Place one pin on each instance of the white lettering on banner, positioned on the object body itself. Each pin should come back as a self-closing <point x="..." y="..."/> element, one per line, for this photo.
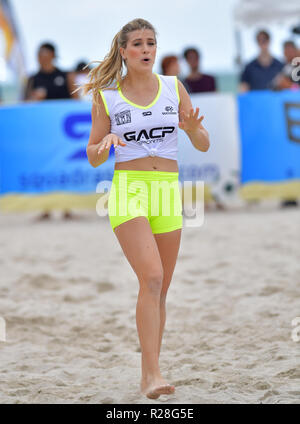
<point x="2" y="330"/>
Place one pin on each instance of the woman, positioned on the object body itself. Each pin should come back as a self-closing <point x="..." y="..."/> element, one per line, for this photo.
<point x="139" y="117"/>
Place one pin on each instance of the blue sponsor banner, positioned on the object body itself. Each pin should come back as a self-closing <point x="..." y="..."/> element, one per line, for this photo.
<point x="43" y="148"/>
<point x="270" y="136"/>
<point x="43" y="145"/>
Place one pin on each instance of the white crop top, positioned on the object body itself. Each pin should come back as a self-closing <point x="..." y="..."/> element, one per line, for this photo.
<point x="147" y="130"/>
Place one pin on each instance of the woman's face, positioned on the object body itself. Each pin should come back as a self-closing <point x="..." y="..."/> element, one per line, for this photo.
<point x="140" y="51"/>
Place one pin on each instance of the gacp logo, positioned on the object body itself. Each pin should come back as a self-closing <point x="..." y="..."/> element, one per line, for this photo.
<point x="77" y="128"/>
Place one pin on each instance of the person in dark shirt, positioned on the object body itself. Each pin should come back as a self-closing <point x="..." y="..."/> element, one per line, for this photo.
<point x="259" y="73"/>
<point x="50" y="83"/>
<point x="196" y="81"/>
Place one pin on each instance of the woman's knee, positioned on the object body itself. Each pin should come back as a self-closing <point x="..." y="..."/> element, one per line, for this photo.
<point x="152" y="282"/>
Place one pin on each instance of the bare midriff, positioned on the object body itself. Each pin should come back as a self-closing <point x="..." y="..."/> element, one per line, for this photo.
<point x="149" y="163"/>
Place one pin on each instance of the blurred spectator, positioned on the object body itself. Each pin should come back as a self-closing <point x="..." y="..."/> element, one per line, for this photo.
<point x="49" y="83"/>
<point x="81" y="77"/>
<point x="170" y="66"/>
<point x="196" y="81"/>
<point x="286" y="78"/>
<point x="260" y="72"/>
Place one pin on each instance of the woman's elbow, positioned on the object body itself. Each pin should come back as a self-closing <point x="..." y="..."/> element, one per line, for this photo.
<point x="89" y="157"/>
<point x="206" y="147"/>
<point x="206" y="143"/>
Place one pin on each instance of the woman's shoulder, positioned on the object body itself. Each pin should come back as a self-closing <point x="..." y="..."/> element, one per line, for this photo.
<point x="169" y="81"/>
<point x="108" y="89"/>
<point x="113" y="86"/>
<point x="167" y="77"/>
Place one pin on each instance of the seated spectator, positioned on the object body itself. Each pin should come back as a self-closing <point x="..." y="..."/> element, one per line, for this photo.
<point x="286" y="78"/>
<point x="260" y="72"/>
<point x="196" y="81"/>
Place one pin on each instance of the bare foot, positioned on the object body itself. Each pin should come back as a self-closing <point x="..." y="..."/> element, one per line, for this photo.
<point x="156" y="388"/>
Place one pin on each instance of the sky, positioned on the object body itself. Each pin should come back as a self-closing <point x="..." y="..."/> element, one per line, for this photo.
<point x="83" y="29"/>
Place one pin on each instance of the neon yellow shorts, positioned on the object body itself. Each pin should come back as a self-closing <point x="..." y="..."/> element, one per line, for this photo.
<point x="153" y="194"/>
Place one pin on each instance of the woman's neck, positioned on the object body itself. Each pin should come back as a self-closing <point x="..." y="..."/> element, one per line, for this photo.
<point x="138" y="79"/>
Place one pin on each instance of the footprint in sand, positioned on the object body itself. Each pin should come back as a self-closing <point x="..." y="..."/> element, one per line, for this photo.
<point x="103" y="287"/>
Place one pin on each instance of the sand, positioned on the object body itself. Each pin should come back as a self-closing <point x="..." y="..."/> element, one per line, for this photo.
<point x="68" y="296"/>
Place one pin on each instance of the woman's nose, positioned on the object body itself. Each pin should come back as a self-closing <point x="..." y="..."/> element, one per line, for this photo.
<point x="145" y="48"/>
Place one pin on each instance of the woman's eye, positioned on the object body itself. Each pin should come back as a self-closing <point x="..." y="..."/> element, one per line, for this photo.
<point x="150" y="44"/>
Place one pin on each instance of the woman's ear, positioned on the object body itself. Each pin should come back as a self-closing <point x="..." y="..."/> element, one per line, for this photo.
<point x="122" y="52"/>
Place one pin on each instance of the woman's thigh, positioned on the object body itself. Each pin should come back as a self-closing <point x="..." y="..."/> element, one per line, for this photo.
<point x="140" y="248"/>
<point x="168" y="245"/>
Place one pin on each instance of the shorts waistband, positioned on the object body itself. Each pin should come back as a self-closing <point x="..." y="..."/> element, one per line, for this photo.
<point x="147" y="175"/>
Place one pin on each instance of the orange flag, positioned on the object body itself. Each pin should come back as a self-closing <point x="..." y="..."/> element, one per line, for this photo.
<point x="13" y="54"/>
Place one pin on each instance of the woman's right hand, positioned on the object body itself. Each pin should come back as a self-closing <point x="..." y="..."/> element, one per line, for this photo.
<point x="108" y="140"/>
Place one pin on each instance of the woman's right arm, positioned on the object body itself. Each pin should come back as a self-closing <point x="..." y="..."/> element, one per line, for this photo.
<point x="100" y="139"/>
<point x="100" y="128"/>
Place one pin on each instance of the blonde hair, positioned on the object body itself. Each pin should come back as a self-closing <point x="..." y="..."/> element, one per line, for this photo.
<point x="110" y="70"/>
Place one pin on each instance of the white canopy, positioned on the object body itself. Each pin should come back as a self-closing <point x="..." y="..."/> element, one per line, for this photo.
<point x="253" y="12"/>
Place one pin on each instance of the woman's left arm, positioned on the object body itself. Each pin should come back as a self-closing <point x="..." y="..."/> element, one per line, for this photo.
<point x="189" y="121"/>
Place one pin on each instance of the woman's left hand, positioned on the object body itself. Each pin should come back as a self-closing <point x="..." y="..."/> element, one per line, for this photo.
<point x="190" y="123"/>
